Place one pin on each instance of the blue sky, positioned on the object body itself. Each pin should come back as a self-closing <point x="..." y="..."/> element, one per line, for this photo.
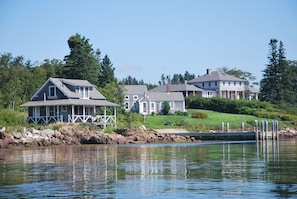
<point x="145" y="39"/>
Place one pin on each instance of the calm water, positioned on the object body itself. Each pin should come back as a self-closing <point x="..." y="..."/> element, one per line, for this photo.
<point x="196" y="170"/>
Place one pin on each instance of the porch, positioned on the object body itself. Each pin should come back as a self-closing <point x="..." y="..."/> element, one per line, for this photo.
<point x="102" y="116"/>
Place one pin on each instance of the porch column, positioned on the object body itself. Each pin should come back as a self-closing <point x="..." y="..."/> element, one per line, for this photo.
<point x="104" y="117"/>
<point x="115" y="116"/>
<point x="58" y="114"/>
<point x="46" y="114"/>
<point x="84" y="113"/>
<point x="35" y="114"/>
<point x="72" y="113"/>
<point x="24" y="114"/>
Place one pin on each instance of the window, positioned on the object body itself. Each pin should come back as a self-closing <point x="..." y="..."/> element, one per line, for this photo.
<point x="216" y="83"/>
<point x="171" y="105"/>
<point x="135" y="97"/>
<point x="52" y="91"/>
<point x="52" y="110"/>
<point x="126" y="105"/>
<point x="203" y="84"/>
<point x="153" y="105"/>
<point x="234" y="83"/>
<point x="64" y="108"/>
<point x="126" y="97"/>
<point x="224" y="83"/>
<point x="229" y="83"/>
<point x="84" y="92"/>
<point x="144" y="107"/>
<point x="239" y="83"/>
<point x="209" y="83"/>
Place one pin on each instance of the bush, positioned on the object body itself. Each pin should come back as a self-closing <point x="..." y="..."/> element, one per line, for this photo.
<point x="180" y="113"/>
<point x="166" y="108"/>
<point x="199" y="115"/>
<point x="11" y="118"/>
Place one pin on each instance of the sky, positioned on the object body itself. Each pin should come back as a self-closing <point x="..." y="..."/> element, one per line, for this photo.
<point x="148" y="38"/>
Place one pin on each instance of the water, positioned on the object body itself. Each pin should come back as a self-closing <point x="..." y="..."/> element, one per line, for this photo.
<point x="195" y="170"/>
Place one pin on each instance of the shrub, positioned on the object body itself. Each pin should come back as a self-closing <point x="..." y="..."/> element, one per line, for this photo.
<point x="180" y="113"/>
<point x="11" y="118"/>
<point x="166" y="108"/>
<point x="199" y="115"/>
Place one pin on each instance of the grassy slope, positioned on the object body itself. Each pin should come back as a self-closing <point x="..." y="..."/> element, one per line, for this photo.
<point x="213" y="121"/>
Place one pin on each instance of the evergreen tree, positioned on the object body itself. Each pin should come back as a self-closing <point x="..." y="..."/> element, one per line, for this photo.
<point x="82" y="62"/>
<point x="277" y="85"/>
<point x="270" y="81"/>
<point x="106" y="72"/>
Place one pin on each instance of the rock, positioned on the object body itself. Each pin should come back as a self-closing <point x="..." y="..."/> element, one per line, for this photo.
<point x="49" y="132"/>
<point x="17" y="135"/>
<point x="2" y="129"/>
<point x="34" y="131"/>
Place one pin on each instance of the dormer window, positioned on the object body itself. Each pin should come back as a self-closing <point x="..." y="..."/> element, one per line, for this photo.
<point x="52" y="91"/>
<point x="84" y="92"/>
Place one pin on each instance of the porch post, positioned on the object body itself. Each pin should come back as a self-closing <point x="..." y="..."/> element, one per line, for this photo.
<point x="24" y="114"/>
<point x="104" y="117"/>
<point x="58" y="114"/>
<point x="115" y="116"/>
<point x="46" y="114"/>
<point x="72" y="113"/>
<point x="35" y="114"/>
<point x="84" y="113"/>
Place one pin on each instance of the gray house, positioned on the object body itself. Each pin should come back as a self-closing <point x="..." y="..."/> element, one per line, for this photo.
<point x="69" y="100"/>
<point x="139" y="99"/>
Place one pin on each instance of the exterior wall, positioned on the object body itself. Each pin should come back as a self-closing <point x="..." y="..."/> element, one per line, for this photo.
<point x="130" y="104"/>
<point x="157" y="107"/>
<point x="45" y="89"/>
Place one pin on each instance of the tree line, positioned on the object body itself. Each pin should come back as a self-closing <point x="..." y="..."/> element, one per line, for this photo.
<point x="20" y="78"/>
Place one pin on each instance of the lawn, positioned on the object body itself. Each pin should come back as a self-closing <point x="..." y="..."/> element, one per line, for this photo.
<point x="213" y="121"/>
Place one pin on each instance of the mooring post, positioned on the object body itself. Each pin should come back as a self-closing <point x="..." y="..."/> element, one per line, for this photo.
<point x="272" y="129"/>
<point x="228" y="127"/>
<point x="262" y="129"/>
<point x="223" y="127"/>
<point x="266" y="127"/>
<point x="276" y="129"/>
<point x="256" y="129"/>
<point x="242" y="126"/>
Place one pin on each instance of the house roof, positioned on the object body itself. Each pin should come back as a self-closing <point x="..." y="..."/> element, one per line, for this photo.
<point x="216" y="76"/>
<point x="253" y="90"/>
<point x="159" y="96"/>
<point x="60" y="84"/>
<point x="135" y="89"/>
<point x="64" y="102"/>
<point x="176" y="88"/>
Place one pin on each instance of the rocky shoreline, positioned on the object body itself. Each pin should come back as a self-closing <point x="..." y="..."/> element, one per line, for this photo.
<point x="77" y="135"/>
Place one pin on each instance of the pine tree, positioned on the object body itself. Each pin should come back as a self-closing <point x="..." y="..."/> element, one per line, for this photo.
<point x="270" y="84"/>
<point x="106" y="72"/>
<point x="82" y="62"/>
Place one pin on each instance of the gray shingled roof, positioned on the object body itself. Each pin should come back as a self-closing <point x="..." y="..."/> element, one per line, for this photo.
<point x="216" y="76"/>
<point x="176" y="88"/>
<point x="134" y="89"/>
<point x="159" y="96"/>
<point x="63" y="102"/>
<point x="60" y="84"/>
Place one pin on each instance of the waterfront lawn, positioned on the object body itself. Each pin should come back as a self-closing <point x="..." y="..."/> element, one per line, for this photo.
<point x="212" y="122"/>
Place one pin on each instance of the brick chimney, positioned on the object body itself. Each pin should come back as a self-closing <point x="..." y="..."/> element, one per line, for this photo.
<point x="168" y="88"/>
<point x="208" y="71"/>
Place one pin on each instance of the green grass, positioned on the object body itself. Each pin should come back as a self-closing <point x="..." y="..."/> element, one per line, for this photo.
<point x="213" y="122"/>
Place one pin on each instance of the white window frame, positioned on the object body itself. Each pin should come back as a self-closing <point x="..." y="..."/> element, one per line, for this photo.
<point x="64" y="108"/>
<point x="126" y="97"/>
<point x="153" y="106"/>
<point x="172" y="105"/>
<point x="50" y="91"/>
<point x="135" y="97"/>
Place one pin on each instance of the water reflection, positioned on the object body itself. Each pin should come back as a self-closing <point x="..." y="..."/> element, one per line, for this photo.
<point x="245" y="169"/>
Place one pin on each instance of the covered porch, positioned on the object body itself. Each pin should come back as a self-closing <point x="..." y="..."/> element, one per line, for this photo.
<point x="98" y="112"/>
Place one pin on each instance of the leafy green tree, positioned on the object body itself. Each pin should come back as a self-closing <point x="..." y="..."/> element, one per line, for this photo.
<point x="106" y="72"/>
<point x="82" y="62"/>
<point x="52" y="67"/>
<point x="166" y="108"/>
<point x="113" y="92"/>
